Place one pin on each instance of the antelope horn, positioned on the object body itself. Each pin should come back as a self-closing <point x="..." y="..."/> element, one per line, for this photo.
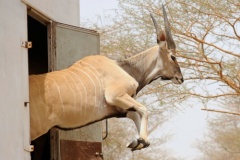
<point x="155" y="24"/>
<point x="158" y="30"/>
<point x="169" y="39"/>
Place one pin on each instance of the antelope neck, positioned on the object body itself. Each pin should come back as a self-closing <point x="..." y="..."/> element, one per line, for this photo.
<point x="142" y="67"/>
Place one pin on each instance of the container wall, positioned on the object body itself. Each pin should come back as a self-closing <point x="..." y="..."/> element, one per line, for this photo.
<point x="58" y="10"/>
<point x="14" y="116"/>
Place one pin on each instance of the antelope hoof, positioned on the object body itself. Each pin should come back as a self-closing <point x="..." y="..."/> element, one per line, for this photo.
<point x="138" y="144"/>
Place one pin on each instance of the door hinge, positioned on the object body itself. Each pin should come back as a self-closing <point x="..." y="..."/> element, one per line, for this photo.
<point x="26" y="44"/>
<point x="29" y="148"/>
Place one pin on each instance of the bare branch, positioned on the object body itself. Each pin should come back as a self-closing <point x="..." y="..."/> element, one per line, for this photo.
<point x="219" y="111"/>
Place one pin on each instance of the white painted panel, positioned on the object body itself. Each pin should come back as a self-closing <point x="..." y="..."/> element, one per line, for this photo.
<point x="14" y="117"/>
<point x="63" y="11"/>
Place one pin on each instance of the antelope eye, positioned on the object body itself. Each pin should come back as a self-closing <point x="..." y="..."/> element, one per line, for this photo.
<point x="173" y="58"/>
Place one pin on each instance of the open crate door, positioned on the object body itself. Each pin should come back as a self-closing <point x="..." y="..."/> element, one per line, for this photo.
<point x="67" y="44"/>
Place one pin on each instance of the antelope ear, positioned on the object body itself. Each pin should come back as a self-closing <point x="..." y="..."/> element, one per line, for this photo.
<point x="159" y="32"/>
<point x="162" y="45"/>
<point x="161" y="36"/>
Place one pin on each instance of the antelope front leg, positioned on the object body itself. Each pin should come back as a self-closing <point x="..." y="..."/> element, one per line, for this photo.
<point x="136" y="144"/>
<point x="127" y="103"/>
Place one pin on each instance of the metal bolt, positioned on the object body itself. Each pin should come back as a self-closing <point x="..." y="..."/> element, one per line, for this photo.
<point x="98" y="154"/>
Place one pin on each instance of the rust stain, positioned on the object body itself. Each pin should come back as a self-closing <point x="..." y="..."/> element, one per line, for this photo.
<point x="78" y="150"/>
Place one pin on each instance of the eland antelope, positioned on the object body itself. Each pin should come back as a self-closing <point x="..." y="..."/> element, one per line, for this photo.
<point x="95" y="88"/>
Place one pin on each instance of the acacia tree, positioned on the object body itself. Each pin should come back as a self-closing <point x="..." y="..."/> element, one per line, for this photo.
<point x="207" y="34"/>
<point x="223" y="137"/>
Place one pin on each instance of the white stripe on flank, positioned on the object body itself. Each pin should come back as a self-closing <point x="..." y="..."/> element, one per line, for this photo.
<point x="98" y="79"/>
<point x="49" y="95"/>
<point x="102" y="103"/>
<point x="91" y="67"/>
<point x="58" y="89"/>
<point x="95" y="97"/>
<point x="39" y="91"/>
<point x="85" y="91"/>
<point x="76" y="86"/>
<point x="57" y="74"/>
<point x="37" y="114"/>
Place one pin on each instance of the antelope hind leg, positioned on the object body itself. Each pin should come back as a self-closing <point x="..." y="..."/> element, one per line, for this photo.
<point x="126" y="102"/>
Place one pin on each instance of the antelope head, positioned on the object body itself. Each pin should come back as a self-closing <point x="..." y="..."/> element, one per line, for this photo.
<point x="170" y="69"/>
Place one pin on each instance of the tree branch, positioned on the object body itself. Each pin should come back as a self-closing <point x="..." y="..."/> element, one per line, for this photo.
<point x="219" y="111"/>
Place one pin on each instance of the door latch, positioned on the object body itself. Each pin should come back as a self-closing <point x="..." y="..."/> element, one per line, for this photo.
<point x="29" y="148"/>
<point x="26" y="44"/>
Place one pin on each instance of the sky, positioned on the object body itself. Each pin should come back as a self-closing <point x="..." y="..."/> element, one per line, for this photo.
<point x="89" y="9"/>
<point x="189" y="125"/>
